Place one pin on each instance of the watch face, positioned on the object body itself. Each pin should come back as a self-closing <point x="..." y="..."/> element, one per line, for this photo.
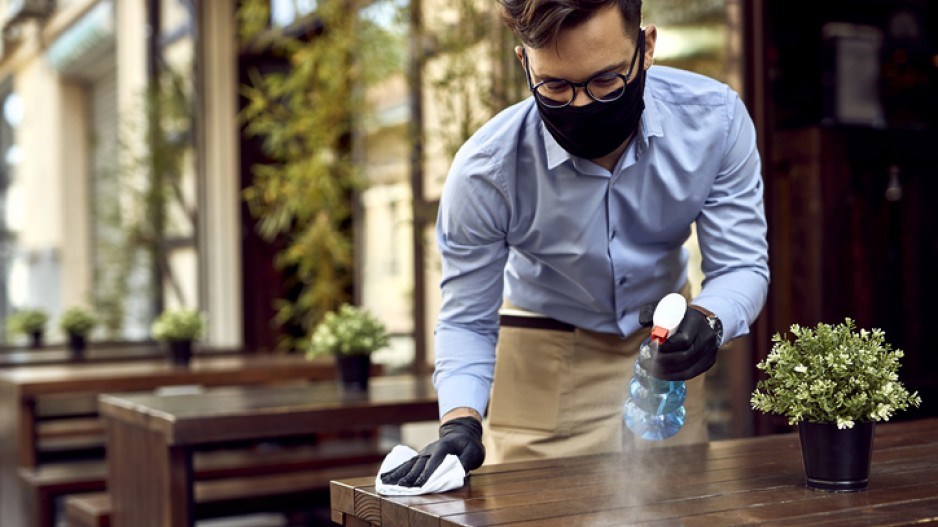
<point x="717" y="327"/>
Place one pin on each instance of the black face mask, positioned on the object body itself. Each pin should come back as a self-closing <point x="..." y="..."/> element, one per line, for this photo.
<point x="596" y="129"/>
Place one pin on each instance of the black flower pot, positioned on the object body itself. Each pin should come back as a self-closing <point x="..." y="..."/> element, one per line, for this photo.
<point x="836" y="459"/>
<point x="180" y="352"/>
<point x="77" y="345"/>
<point x="354" y="371"/>
<point x="35" y="339"/>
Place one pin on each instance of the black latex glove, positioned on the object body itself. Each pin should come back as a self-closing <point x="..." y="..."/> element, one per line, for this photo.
<point x="688" y="352"/>
<point x="461" y="436"/>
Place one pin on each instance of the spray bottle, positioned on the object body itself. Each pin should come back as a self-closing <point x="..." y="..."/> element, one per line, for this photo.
<point x="655" y="407"/>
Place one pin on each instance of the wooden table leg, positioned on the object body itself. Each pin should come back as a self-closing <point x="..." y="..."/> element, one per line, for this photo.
<point x="354" y="521"/>
<point x="27" y="433"/>
<point x="11" y="499"/>
<point x="150" y="483"/>
<point x="181" y="487"/>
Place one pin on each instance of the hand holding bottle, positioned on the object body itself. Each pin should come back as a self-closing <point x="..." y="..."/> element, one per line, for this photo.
<point x="655" y="407"/>
<point x="690" y="350"/>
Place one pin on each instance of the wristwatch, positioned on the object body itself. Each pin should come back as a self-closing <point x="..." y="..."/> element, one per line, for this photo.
<point x="715" y="324"/>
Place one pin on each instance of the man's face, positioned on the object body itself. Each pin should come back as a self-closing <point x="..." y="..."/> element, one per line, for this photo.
<point x="598" y="45"/>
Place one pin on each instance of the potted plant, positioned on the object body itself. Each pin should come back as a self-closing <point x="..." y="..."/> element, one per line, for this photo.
<point x="177" y="329"/>
<point x="351" y="334"/>
<point x="834" y="382"/>
<point x="77" y="323"/>
<point x="29" y="322"/>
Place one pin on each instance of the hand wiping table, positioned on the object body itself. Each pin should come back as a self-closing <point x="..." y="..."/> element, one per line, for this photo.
<point x="448" y="476"/>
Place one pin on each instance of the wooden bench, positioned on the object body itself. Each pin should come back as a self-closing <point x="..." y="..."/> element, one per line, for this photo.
<point x="88" y="510"/>
<point x="69" y="438"/>
<point x="230" y="496"/>
<point x="44" y="484"/>
<point x="228" y="479"/>
<point x="68" y="428"/>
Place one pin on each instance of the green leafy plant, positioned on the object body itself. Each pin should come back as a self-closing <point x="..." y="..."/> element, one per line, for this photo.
<point x="27" y="321"/>
<point x="78" y="321"/>
<point x="465" y="91"/>
<point x="306" y="116"/>
<point x="348" y="331"/>
<point x="832" y="374"/>
<point x="180" y="324"/>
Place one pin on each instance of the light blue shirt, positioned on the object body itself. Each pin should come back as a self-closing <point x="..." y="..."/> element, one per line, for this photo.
<point x="520" y="218"/>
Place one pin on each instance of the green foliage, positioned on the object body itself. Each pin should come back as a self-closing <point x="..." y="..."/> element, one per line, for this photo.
<point x="181" y="324"/>
<point x="78" y="321"/>
<point x="462" y="86"/>
<point x="306" y="117"/>
<point x="349" y="331"/>
<point x="832" y="374"/>
<point x="27" y="321"/>
<point x="465" y="90"/>
<point x="678" y="12"/>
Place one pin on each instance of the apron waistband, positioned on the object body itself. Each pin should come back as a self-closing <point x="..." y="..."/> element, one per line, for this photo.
<point x="516" y="321"/>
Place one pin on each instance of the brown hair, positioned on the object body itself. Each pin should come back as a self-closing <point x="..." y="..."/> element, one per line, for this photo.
<point x="537" y="22"/>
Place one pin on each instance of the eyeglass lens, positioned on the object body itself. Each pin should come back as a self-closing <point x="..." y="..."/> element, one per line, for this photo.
<point x="604" y="88"/>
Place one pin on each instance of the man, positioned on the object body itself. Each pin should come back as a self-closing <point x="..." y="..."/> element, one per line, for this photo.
<point x="568" y="212"/>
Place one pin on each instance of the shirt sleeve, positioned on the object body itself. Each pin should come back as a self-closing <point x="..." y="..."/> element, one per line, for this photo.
<point x="471" y="234"/>
<point x="731" y="230"/>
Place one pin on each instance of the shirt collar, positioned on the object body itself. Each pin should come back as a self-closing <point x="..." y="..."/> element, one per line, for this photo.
<point x="650" y="126"/>
<point x="651" y="120"/>
<point x="556" y="155"/>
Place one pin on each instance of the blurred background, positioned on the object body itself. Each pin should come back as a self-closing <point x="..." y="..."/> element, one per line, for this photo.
<point x="264" y="161"/>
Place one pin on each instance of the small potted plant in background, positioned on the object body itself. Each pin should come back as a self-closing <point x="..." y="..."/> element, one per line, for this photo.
<point x="29" y="322"/>
<point x="834" y="382"/>
<point x="351" y="334"/>
<point x="177" y="329"/>
<point x="77" y="323"/>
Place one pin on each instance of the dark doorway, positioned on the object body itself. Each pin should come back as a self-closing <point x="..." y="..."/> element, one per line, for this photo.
<point x="842" y="93"/>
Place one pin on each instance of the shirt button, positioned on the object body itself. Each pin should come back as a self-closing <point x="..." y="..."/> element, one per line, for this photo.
<point x="612" y="235"/>
<point x="623" y="280"/>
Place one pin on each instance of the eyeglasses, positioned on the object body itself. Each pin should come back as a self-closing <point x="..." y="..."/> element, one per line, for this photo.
<point x="605" y="87"/>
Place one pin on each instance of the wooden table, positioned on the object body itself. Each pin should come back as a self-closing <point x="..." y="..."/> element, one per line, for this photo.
<point x="92" y="344"/>
<point x="22" y="388"/>
<point x="151" y="438"/>
<point x="94" y="355"/>
<point x="755" y="481"/>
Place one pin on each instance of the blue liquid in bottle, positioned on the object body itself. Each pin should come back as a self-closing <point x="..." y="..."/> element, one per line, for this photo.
<point x="655" y="407"/>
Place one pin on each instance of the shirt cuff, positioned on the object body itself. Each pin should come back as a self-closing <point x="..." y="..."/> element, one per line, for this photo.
<point x="736" y="299"/>
<point x="462" y="390"/>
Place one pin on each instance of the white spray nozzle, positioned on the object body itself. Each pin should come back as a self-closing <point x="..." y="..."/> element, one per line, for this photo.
<point x="668" y="316"/>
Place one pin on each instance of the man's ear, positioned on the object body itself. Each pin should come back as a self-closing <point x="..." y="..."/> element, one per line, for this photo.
<point x="519" y="52"/>
<point x="651" y="35"/>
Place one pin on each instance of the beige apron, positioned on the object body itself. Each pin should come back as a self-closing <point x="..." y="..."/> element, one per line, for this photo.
<point x="560" y="393"/>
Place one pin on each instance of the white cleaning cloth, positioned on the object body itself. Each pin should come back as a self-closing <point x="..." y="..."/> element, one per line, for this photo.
<point x="448" y="476"/>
